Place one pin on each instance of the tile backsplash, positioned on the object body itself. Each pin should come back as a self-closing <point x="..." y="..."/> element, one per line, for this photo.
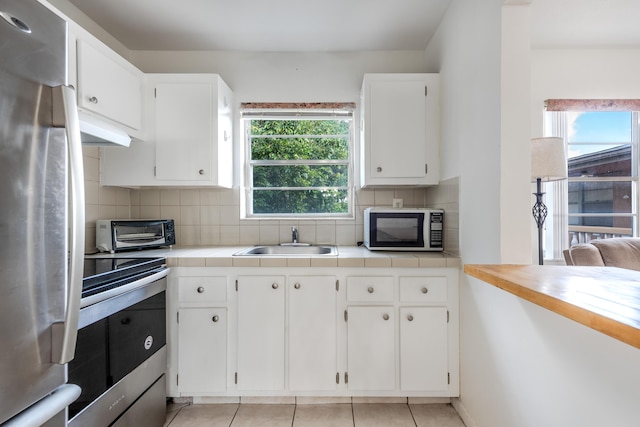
<point x="209" y="216"/>
<point x="212" y="217"/>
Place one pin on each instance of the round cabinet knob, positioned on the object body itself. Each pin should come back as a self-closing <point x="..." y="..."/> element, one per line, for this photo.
<point x="385" y="316"/>
<point x="370" y="289"/>
<point x="424" y="290"/>
<point x="201" y="171"/>
<point x="93" y="100"/>
<point x="200" y="289"/>
<point x="274" y="286"/>
<point x="297" y="286"/>
<point x="378" y="169"/>
<point x="215" y="318"/>
<point x="410" y="318"/>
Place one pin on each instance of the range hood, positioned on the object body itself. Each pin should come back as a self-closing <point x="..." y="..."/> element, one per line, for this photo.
<point x="97" y="132"/>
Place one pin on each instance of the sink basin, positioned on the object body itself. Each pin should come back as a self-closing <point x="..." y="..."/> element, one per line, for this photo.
<point x="289" y="250"/>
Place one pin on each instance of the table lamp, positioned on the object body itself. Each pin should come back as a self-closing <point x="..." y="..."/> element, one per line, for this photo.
<point x="548" y="163"/>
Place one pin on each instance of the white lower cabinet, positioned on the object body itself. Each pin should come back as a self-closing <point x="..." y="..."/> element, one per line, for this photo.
<point x="202" y="350"/>
<point x="202" y="334"/>
<point x="370" y="348"/>
<point x="312" y="333"/>
<point x="424" y="363"/>
<point x="261" y="333"/>
<point x="298" y="331"/>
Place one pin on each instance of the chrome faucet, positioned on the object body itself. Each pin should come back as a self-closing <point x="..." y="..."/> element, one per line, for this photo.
<point x="294" y="235"/>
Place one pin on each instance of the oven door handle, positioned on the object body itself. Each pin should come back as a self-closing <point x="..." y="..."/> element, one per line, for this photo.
<point x="87" y="301"/>
<point x="64" y="334"/>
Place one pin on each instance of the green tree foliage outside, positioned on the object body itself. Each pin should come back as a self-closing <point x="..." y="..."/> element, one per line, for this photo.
<point x="311" y="175"/>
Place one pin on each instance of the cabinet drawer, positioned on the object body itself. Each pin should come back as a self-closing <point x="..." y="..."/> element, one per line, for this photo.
<point x="369" y="289"/>
<point x="423" y="289"/>
<point x="202" y="289"/>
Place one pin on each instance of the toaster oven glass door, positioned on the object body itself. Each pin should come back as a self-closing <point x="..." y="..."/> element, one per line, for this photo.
<point x="132" y="234"/>
<point x="397" y="230"/>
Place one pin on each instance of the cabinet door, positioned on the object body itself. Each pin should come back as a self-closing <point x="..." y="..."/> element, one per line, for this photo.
<point x="371" y="348"/>
<point x="312" y="333"/>
<point x="423" y="349"/>
<point x="183" y="125"/>
<point x="109" y="88"/>
<point x="397" y="120"/>
<point x="202" y="350"/>
<point x="261" y="332"/>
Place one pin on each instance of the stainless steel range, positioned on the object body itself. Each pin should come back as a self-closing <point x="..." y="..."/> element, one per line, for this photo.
<point x="120" y="360"/>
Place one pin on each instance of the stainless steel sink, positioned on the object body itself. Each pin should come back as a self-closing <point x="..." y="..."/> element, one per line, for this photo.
<point x="289" y="250"/>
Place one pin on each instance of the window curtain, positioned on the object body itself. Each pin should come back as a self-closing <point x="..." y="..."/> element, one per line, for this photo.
<point x="558" y="231"/>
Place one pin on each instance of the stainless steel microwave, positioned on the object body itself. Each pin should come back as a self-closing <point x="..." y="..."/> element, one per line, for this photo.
<point x="123" y="235"/>
<point x="417" y="229"/>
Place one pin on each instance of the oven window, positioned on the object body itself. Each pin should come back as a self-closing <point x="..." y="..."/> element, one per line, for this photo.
<point x="135" y="334"/>
<point x="111" y="348"/>
<point x="89" y="369"/>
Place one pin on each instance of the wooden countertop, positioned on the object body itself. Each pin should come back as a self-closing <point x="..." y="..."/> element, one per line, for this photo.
<point x="606" y="299"/>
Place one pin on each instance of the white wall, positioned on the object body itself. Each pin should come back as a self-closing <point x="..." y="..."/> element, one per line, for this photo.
<point x="466" y="51"/>
<point x="582" y="74"/>
<point x="521" y="365"/>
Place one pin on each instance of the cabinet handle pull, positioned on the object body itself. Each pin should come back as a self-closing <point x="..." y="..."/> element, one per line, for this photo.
<point x="274" y="286"/>
<point x="201" y="171"/>
<point x="93" y="100"/>
<point x="385" y="316"/>
<point x="200" y="289"/>
<point x="370" y="290"/>
<point x="410" y="318"/>
<point x="297" y="286"/>
<point x="424" y="290"/>
<point x="378" y="169"/>
<point x="215" y="318"/>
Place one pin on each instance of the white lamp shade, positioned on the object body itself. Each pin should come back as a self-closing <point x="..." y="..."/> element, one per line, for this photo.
<point x="548" y="159"/>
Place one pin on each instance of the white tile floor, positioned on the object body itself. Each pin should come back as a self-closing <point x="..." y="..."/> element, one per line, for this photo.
<point x="333" y="415"/>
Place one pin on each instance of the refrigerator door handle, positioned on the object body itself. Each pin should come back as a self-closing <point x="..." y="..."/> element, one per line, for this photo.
<point x="47" y="408"/>
<point x="64" y="334"/>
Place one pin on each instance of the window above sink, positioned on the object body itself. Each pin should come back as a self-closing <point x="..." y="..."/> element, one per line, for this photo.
<point x="298" y="160"/>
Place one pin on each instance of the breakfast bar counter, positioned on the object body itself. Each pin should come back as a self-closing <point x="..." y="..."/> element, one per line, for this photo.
<point x="606" y="299"/>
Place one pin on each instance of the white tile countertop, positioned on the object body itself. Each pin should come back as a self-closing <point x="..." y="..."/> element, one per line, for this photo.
<point x="348" y="256"/>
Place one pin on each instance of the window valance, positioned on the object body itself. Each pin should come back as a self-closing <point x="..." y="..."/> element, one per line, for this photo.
<point x="592" y="104"/>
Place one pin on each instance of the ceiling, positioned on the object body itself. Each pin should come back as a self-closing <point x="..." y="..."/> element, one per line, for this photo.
<point x="342" y="25"/>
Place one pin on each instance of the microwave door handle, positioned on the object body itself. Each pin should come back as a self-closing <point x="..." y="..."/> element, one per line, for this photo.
<point x="64" y="334"/>
<point x="426" y="230"/>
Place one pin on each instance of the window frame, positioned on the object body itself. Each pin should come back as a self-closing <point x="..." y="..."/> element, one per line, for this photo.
<point x="333" y="111"/>
<point x="557" y="230"/>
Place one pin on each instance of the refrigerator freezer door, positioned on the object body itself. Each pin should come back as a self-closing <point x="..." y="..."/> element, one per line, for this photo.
<point x="33" y="203"/>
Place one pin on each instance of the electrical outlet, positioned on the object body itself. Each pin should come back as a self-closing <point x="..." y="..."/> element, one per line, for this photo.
<point x="398" y="203"/>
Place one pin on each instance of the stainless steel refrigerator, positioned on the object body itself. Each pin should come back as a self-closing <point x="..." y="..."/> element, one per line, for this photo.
<point x="41" y="217"/>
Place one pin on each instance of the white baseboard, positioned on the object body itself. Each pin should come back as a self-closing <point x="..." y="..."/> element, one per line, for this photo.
<point x="462" y="411"/>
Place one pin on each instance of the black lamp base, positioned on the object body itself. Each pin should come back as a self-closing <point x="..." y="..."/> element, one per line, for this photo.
<point x="539" y="212"/>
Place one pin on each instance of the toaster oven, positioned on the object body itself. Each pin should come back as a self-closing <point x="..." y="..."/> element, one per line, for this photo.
<point x="125" y="235"/>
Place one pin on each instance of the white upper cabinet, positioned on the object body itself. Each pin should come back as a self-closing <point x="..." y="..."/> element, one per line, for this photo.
<point x="109" y="86"/>
<point x="189" y="138"/>
<point x="193" y="128"/>
<point x="400" y="130"/>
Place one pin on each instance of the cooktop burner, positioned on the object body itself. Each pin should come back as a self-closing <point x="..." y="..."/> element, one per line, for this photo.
<point x="101" y="274"/>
